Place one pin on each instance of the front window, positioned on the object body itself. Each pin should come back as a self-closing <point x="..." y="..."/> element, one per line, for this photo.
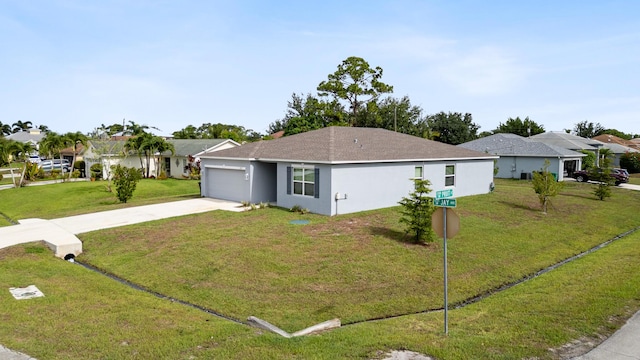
<point x="450" y="175"/>
<point x="304" y="181"/>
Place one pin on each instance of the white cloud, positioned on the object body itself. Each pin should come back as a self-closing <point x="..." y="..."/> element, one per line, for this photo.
<point x="483" y="71"/>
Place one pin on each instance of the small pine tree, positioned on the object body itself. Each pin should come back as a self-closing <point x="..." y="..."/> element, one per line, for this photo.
<point x="545" y="185"/>
<point x="125" y="180"/>
<point x="417" y="210"/>
<point x="602" y="175"/>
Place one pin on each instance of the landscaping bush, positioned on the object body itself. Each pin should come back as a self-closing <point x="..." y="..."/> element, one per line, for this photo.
<point x="631" y="162"/>
<point x="96" y="171"/>
<point x="125" y="180"/>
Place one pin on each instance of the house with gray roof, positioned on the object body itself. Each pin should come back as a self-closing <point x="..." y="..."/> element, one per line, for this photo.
<point x="520" y="157"/>
<point x="112" y="152"/>
<point x="338" y="170"/>
<point x="616" y="149"/>
<point x="32" y="136"/>
<point x="567" y="141"/>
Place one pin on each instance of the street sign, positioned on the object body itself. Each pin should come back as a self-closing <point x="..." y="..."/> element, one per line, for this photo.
<point x="453" y="223"/>
<point x="444" y="194"/>
<point x="450" y="203"/>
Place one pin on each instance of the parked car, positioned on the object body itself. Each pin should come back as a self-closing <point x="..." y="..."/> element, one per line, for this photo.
<point x="619" y="175"/>
<point x="55" y="164"/>
<point x="34" y="159"/>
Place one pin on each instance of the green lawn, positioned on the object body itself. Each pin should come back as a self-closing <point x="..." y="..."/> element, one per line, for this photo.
<point x="634" y="179"/>
<point x="354" y="267"/>
<point x="72" y="198"/>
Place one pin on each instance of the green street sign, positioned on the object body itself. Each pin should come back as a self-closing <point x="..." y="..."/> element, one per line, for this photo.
<point x="444" y="194"/>
<point x="450" y="203"/>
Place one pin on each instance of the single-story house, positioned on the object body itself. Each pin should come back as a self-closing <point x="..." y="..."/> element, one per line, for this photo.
<point x="338" y="170"/>
<point x="618" y="146"/>
<point x="176" y="165"/>
<point x="112" y="152"/>
<point x="32" y="136"/>
<point x="520" y="156"/>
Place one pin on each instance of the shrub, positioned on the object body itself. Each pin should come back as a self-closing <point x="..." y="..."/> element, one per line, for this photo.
<point x="96" y="171"/>
<point x="55" y="173"/>
<point x="79" y="165"/>
<point x="1" y="176"/>
<point x="125" y="180"/>
<point x="631" y="162"/>
<point x="75" y="174"/>
<point x="299" y="209"/>
<point x="162" y="176"/>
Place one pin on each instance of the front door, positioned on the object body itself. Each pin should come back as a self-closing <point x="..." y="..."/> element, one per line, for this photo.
<point x="167" y="166"/>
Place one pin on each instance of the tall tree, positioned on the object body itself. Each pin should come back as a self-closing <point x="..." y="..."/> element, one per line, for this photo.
<point x="7" y="150"/>
<point x="135" y="129"/>
<point x="53" y="143"/>
<point x="356" y="83"/>
<point x="76" y="140"/>
<point x="525" y="128"/>
<point x="453" y="128"/>
<point x="137" y="145"/>
<point x="21" y="126"/>
<point x="588" y="129"/>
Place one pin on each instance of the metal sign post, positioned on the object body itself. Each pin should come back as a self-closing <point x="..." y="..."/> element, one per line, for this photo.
<point x="446" y="299"/>
<point x="443" y="201"/>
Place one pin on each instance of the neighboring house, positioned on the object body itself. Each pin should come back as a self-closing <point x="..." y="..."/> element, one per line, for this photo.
<point x="176" y="165"/>
<point x="112" y="152"/>
<point x="568" y="141"/>
<point x="612" y="139"/>
<point x="32" y="136"/>
<point x="520" y="157"/>
<point x="338" y="170"/>
<point x="617" y="150"/>
<point x="67" y="153"/>
<point x="108" y="153"/>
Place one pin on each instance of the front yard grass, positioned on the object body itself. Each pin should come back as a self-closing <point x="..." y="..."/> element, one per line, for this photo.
<point x="355" y="267"/>
<point x="73" y="198"/>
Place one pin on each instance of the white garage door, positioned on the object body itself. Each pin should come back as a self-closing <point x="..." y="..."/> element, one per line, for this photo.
<point x="227" y="184"/>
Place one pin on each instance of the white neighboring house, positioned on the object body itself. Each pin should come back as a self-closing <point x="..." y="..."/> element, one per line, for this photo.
<point x="339" y="170"/>
<point x="520" y="156"/>
<point x="112" y="152"/>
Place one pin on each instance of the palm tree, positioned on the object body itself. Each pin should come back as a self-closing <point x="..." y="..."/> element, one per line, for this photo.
<point x="161" y="146"/>
<point x="135" y="129"/>
<point x="21" y="126"/>
<point x="22" y="153"/>
<point x="135" y="144"/>
<point x="53" y="143"/>
<point x="5" y="129"/>
<point x="77" y="138"/>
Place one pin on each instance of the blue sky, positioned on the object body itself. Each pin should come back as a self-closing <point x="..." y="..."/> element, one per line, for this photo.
<point x="73" y="65"/>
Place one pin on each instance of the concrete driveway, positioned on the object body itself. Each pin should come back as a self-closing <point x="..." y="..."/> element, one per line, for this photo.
<point x="59" y="234"/>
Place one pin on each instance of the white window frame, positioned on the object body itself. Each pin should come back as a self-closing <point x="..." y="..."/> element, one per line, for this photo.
<point x="450" y="176"/>
<point x="306" y="170"/>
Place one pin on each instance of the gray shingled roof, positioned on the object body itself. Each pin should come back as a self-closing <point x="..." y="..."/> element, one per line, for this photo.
<point x="25" y="136"/>
<point x="567" y="141"/>
<point x="186" y="147"/>
<point x="617" y="148"/>
<point x="348" y="145"/>
<point x="515" y="145"/>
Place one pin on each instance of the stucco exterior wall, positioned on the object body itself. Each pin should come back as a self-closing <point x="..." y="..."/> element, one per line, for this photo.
<point x="375" y="186"/>
<point x="511" y="167"/>
<point x="263" y="182"/>
<point x="321" y="205"/>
